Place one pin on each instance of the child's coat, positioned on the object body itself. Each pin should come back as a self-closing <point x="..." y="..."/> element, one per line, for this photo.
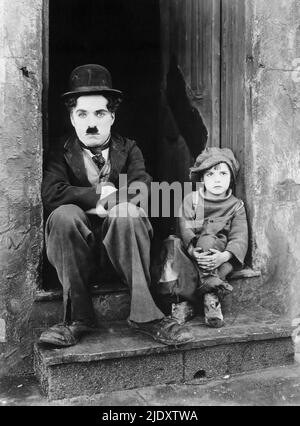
<point x="220" y="224"/>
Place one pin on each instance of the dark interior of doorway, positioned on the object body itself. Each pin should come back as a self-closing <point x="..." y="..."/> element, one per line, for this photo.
<point x="122" y="35"/>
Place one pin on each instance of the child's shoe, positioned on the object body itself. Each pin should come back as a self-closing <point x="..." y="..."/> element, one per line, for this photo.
<point x="212" y="310"/>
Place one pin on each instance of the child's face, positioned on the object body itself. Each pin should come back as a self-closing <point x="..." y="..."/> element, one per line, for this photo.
<point x="217" y="180"/>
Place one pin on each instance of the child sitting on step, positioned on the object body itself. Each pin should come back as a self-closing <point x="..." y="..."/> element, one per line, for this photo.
<point x="212" y="236"/>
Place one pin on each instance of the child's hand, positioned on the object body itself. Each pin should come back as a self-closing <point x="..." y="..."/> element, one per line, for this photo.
<point x="217" y="258"/>
<point x="201" y="257"/>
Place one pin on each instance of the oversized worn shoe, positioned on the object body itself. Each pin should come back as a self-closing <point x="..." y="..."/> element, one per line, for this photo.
<point x="64" y="335"/>
<point x="212" y="311"/>
<point x="166" y="331"/>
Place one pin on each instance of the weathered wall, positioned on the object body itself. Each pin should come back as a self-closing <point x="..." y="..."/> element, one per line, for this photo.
<point x="272" y="151"/>
<point x="20" y="171"/>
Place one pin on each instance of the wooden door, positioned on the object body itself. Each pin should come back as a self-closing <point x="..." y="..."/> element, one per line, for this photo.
<point x="233" y="62"/>
<point x="190" y="51"/>
<point x="205" y="40"/>
<point x="191" y="35"/>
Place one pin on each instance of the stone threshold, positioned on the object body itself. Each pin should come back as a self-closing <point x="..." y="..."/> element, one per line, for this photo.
<point x="117" y="287"/>
<point x="118" y="340"/>
<point x="115" y="357"/>
<point x="97" y="289"/>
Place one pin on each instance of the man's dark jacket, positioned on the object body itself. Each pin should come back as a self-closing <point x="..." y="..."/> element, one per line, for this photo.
<point x="65" y="179"/>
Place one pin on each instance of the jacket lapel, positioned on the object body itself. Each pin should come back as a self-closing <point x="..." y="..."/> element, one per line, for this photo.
<point x="74" y="158"/>
<point x="118" y="157"/>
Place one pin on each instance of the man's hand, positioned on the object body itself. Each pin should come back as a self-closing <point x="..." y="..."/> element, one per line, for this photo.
<point x="212" y="259"/>
<point x="101" y="211"/>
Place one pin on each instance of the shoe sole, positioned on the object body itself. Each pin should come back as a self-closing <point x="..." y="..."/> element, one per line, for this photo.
<point x="164" y="342"/>
<point x="215" y="326"/>
<point x="56" y="344"/>
<point x="45" y="339"/>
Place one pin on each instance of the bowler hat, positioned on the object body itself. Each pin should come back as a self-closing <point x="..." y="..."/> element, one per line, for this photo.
<point x="90" y="79"/>
<point x="210" y="157"/>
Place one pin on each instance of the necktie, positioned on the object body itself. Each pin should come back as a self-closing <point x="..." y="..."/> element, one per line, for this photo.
<point x="98" y="158"/>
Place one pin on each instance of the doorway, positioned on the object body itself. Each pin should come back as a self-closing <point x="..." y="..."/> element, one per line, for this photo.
<point x="122" y="35"/>
<point x="171" y="59"/>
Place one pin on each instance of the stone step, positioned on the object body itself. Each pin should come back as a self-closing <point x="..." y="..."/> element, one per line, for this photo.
<point x="115" y="357"/>
<point x="112" y="301"/>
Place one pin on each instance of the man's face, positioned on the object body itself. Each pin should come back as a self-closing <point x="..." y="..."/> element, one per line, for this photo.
<point x="217" y="180"/>
<point x="92" y="120"/>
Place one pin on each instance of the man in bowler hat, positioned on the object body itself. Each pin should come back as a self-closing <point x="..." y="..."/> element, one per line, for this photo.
<point x="87" y="219"/>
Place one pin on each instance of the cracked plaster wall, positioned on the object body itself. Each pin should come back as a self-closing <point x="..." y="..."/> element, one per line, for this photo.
<point x="273" y="152"/>
<point x="20" y="172"/>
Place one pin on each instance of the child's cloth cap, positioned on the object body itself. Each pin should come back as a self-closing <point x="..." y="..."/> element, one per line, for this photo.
<point x="210" y="157"/>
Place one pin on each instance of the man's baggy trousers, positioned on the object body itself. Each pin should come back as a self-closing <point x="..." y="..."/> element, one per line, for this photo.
<point x="72" y="244"/>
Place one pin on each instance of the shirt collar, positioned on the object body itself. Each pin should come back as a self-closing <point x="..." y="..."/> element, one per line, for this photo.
<point x="91" y="154"/>
<point x="202" y="194"/>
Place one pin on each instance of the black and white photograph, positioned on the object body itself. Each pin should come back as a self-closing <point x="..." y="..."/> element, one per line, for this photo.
<point x="149" y="206"/>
